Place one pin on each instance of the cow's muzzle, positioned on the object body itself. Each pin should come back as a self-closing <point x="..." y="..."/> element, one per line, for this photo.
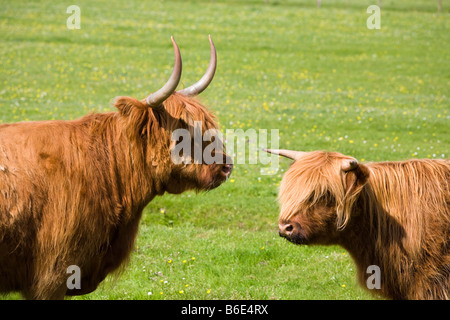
<point x="293" y="232"/>
<point x="285" y="230"/>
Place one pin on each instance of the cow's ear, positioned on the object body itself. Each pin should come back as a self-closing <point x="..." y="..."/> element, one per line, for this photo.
<point x="355" y="176"/>
<point x="134" y="115"/>
<point x="125" y="105"/>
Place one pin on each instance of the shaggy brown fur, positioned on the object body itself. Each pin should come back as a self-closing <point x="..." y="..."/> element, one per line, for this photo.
<point x="395" y="215"/>
<point x="72" y="192"/>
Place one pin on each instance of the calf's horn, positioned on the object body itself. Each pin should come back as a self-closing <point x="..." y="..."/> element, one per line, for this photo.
<point x="203" y="83"/>
<point x="294" y="155"/>
<point x="155" y="99"/>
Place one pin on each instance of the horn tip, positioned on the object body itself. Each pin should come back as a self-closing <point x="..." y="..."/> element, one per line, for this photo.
<point x="271" y="151"/>
<point x="210" y="41"/>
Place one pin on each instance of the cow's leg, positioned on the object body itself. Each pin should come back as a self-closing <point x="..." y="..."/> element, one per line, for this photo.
<point x="56" y="294"/>
<point x="44" y="289"/>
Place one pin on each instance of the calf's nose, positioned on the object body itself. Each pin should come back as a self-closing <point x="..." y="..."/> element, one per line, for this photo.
<point x="285" y="230"/>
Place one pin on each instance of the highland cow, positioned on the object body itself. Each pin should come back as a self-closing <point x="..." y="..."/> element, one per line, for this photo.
<point x="392" y="215"/>
<point x="72" y="192"/>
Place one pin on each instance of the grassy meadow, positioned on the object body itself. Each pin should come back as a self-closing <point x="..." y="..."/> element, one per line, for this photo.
<point x="318" y="75"/>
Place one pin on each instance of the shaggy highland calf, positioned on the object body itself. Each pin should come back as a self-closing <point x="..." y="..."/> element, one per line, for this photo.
<point x="72" y="192"/>
<point x="393" y="215"/>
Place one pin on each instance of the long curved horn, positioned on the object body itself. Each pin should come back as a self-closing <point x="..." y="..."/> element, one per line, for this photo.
<point x="203" y="83"/>
<point x="294" y="155"/>
<point x="155" y="99"/>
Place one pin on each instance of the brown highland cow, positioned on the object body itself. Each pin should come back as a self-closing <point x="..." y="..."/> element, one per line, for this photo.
<point x="392" y="215"/>
<point x="72" y="192"/>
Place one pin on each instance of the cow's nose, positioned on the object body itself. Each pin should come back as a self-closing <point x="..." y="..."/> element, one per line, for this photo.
<point x="285" y="230"/>
<point x="227" y="168"/>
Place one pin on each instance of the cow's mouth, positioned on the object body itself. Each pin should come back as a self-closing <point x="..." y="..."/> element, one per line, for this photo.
<point x="221" y="175"/>
<point x="297" y="239"/>
<point x="226" y="170"/>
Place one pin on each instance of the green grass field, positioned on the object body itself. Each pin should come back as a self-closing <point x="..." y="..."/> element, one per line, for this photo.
<point x="319" y="75"/>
